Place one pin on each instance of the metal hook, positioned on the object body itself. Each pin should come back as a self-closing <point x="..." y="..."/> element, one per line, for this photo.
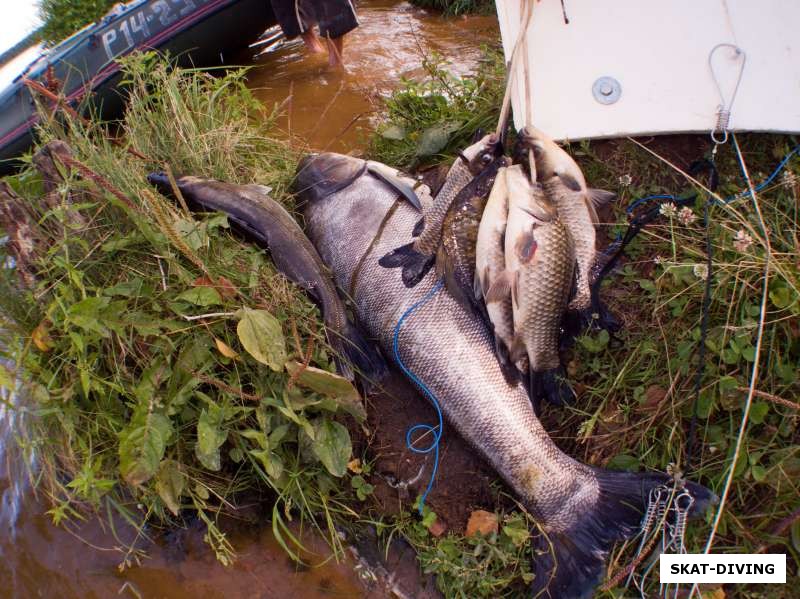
<point x="719" y="135"/>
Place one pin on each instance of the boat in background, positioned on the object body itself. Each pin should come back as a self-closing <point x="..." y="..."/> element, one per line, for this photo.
<point x="196" y="32"/>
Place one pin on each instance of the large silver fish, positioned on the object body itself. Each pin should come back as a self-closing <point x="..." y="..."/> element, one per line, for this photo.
<point x="582" y="510"/>
<point x="417" y="257"/>
<point x="566" y="186"/>
<point x="260" y="217"/>
<point x="538" y="276"/>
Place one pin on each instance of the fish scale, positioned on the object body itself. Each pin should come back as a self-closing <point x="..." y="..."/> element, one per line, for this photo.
<point x="582" y="510"/>
<point x="543" y="287"/>
<point x="572" y="209"/>
<point x="446" y="345"/>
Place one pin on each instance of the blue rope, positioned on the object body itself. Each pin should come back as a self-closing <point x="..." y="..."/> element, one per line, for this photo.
<point x="425" y="428"/>
<point x="741" y="195"/>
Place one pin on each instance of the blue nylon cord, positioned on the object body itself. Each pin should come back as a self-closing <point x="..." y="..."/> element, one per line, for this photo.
<point x="636" y="203"/>
<point x="426" y="428"/>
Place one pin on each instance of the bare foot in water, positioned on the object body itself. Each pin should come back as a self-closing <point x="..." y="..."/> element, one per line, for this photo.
<point x="312" y="42"/>
<point x="335" y="52"/>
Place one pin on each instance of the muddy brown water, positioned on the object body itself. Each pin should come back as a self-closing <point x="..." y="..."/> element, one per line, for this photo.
<point x="324" y="109"/>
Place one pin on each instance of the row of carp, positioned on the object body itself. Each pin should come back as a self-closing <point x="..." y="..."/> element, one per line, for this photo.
<point x="518" y="249"/>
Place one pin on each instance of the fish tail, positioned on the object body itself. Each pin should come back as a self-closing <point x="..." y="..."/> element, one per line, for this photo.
<point x="550" y="385"/>
<point x="353" y="350"/>
<point x="414" y="264"/>
<point x="570" y="563"/>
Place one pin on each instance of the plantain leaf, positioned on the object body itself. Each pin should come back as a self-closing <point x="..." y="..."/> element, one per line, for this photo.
<point x="331" y="385"/>
<point x="261" y="336"/>
<point x="141" y="447"/>
<point x="170" y="484"/>
<point x="200" y="296"/>
<point x="332" y="446"/>
<point x="210" y="437"/>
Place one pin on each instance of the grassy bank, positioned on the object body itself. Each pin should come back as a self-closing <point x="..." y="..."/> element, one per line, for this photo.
<point x="170" y="370"/>
<point x="636" y="393"/>
<point x="146" y="411"/>
<point x="457" y="7"/>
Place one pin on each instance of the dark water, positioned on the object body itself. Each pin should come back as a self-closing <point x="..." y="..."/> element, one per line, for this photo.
<point x="325" y="109"/>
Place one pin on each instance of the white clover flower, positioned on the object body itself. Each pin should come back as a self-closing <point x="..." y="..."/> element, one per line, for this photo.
<point x="625" y="180"/>
<point x="658" y="259"/>
<point x="742" y="241"/>
<point x="686" y="216"/>
<point x="700" y="271"/>
<point x="668" y="209"/>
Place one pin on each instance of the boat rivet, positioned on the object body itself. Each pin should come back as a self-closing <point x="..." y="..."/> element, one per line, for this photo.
<point x="606" y="90"/>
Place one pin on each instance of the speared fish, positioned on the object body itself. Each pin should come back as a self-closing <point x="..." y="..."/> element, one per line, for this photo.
<point x="581" y="510"/>
<point x="576" y="204"/>
<point x="417" y="257"/>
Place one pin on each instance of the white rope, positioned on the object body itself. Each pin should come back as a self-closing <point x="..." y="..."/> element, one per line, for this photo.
<point x="520" y="45"/>
<point x="754" y="374"/>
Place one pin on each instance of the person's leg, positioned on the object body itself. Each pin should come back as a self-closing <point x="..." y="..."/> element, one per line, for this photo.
<point x="313" y="43"/>
<point x="336" y="18"/>
<point x="335" y="51"/>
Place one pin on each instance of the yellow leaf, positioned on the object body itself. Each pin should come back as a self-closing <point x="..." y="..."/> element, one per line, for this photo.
<point x="41" y="337"/>
<point x="225" y="349"/>
<point x="354" y="466"/>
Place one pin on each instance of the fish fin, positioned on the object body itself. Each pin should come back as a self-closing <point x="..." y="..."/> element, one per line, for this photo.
<point x="550" y="385"/>
<point x="571" y="562"/>
<point x="392" y="180"/>
<point x="445" y="268"/>
<point x="419" y="227"/>
<point x="500" y="289"/>
<point x="517" y="351"/>
<point x="414" y="264"/>
<point x="601" y="197"/>
<point x="592" y="213"/>
<point x="353" y="350"/>
<point x="507" y="367"/>
<point x="569" y="181"/>
<point x="477" y="283"/>
<point x="515" y="289"/>
<point x="257" y="188"/>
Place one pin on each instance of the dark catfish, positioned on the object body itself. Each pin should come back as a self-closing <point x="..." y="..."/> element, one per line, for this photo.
<point x="261" y="218"/>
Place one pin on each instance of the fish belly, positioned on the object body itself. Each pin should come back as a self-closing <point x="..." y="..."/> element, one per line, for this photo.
<point x="447" y="347"/>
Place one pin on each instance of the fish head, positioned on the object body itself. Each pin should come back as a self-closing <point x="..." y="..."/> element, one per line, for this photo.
<point x="482" y="153"/>
<point x="551" y="159"/>
<point x="319" y="176"/>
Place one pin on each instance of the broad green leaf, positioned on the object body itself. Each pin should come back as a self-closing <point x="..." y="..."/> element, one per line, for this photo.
<point x="517" y="530"/>
<point x="141" y="447"/>
<point x="434" y="139"/>
<point x="210" y="437"/>
<point x="193" y="232"/>
<point x="781" y="297"/>
<point x="200" y="296"/>
<point x="273" y="465"/>
<point x="758" y="411"/>
<point x="170" y="484"/>
<point x="125" y="288"/>
<point x="261" y="336"/>
<point x="87" y="314"/>
<point x="331" y="385"/>
<point x="332" y="446"/>
<point x="394" y="132"/>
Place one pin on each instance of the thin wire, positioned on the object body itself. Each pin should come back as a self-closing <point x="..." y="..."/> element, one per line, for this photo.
<point x="754" y="372"/>
<point x="739" y="196"/>
<point x="426" y="428"/>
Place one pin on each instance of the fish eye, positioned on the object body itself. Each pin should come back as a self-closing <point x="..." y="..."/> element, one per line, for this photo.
<point x="486" y="158"/>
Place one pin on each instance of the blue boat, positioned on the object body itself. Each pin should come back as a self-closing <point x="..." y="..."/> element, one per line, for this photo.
<point x="198" y="32"/>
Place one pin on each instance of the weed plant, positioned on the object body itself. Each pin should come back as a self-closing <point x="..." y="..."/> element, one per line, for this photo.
<point x="454" y="8"/>
<point x="427" y="121"/>
<point x="169" y="368"/>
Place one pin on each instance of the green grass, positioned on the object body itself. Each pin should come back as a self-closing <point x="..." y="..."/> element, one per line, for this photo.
<point x="457" y="7"/>
<point x="139" y="411"/>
